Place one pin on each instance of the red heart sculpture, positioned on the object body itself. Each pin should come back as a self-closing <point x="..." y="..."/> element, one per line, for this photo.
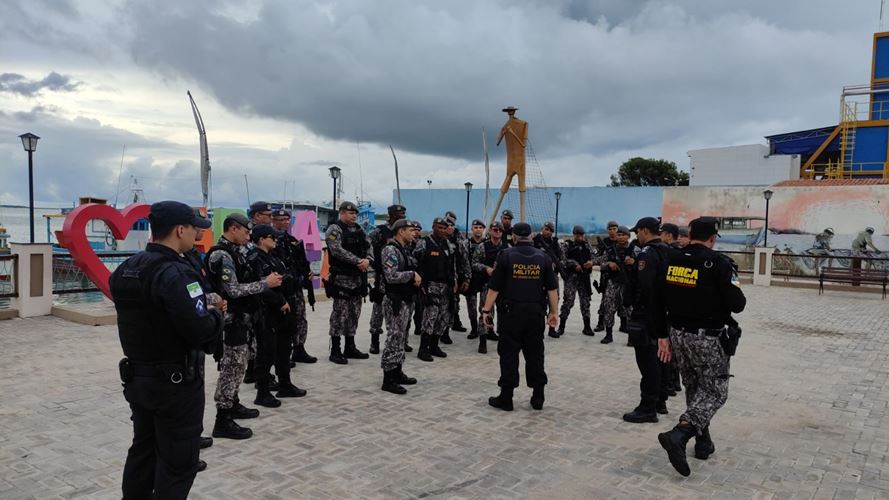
<point x="74" y="236"/>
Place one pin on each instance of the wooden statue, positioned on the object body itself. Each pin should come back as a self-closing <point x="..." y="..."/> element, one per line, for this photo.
<point x="515" y="132"/>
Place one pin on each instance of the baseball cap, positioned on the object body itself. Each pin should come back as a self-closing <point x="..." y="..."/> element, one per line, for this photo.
<point x="649" y="223"/>
<point x="172" y="213"/>
<point x="703" y="227"/>
<point x="400" y="224"/>
<point x="281" y="213"/>
<point x="260" y="206"/>
<point x="522" y="229"/>
<point x="238" y="218"/>
<point x="262" y="231"/>
<point x="670" y="228"/>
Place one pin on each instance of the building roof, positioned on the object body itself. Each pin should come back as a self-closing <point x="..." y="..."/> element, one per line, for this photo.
<point x="831" y="182"/>
<point x="803" y="142"/>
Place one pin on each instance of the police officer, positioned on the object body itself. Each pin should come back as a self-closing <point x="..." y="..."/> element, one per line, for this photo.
<point x="260" y="212"/>
<point x="670" y="237"/>
<point x="273" y="341"/>
<point x="683" y="239"/>
<point x="462" y="259"/>
<point x="578" y="266"/>
<point x="483" y="261"/>
<point x="524" y="281"/>
<point x="614" y="275"/>
<point x="349" y="255"/>
<point x="506" y="218"/>
<point x="380" y="237"/>
<point x="401" y="283"/>
<point x="476" y="239"/>
<point x="292" y="252"/>
<point x="601" y="247"/>
<point x="240" y="285"/>
<point x="696" y="293"/>
<point x="670" y="234"/>
<point x="546" y="241"/>
<point x="637" y="294"/>
<point x="165" y="324"/>
<point x="416" y="228"/>
<point x="435" y="261"/>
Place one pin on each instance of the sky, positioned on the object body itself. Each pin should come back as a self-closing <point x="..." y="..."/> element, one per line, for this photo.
<point x="289" y="88"/>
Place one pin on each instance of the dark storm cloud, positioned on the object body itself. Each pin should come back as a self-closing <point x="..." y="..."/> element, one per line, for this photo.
<point x="591" y="77"/>
<point x="18" y="84"/>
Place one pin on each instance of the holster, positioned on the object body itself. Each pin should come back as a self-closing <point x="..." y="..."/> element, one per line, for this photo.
<point x="729" y="339"/>
<point x="125" y="370"/>
<point x="376" y="295"/>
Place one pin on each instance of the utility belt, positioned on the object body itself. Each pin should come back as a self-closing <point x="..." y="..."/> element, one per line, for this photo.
<point x="709" y="332"/>
<point x="507" y="306"/>
<point x="176" y="373"/>
<point x="729" y="337"/>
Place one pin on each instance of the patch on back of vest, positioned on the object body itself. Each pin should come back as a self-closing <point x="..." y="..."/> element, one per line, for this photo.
<point x="526" y="271"/>
<point x="682" y="276"/>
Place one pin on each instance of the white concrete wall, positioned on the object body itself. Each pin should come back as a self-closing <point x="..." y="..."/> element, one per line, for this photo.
<point x="747" y="165"/>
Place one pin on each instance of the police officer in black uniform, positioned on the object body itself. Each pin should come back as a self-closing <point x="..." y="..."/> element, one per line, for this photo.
<point x="641" y="276"/>
<point x="506" y="218"/>
<point x="165" y="326"/>
<point x="696" y="293"/>
<point x="524" y="283"/>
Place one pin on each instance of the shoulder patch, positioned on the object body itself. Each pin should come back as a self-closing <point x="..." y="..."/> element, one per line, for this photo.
<point x="194" y="289"/>
<point x="391" y="261"/>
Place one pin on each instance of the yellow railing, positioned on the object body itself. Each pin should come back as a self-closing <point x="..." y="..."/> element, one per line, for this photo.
<point x="836" y="170"/>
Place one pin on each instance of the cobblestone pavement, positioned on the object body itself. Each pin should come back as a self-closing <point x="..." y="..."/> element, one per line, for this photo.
<point x="806" y="418"/>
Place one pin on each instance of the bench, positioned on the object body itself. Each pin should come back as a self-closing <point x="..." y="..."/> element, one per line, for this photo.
<point x="853" y="276"/>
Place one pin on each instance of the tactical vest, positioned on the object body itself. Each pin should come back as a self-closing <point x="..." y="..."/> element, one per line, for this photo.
<point x="437" y="264"/>
<point x="146" y="333"/>
<point x="353" y="242"/>
<point x="403" y="291"/>
<point x="616" y="253"/>
<point x="525" y="275"/>
<point x="579" y="252"/>
<point x="691" y="292"/>
<point x="244" y="271"/>
<point x="386" y="234"/>
<point x="492" y="251"/>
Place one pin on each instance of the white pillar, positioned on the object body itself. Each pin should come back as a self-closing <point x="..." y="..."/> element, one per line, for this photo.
<point x="762" y="266"/>
<point x="34" y="279"/>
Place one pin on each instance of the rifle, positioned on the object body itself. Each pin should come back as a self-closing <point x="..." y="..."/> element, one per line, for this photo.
<point x="310" y="293"/>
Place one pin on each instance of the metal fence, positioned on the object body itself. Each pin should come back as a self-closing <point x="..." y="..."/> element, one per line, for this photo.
<point x="743" y="259"/>
<point x="9" y="287"/>
<point x="807" y="266"/>
<point x="68" y="278"/>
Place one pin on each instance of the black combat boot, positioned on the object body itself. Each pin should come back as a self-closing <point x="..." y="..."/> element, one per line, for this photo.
<point x="608" y="338"/>
<point x="264" y="396"/>
<point x="374" y="343"/>
<point x="286" y="389"/>
<point x="352" y="352"/>
<point x="249" y="378"/>
<point x="562" y="321"/>
<point x="600" y="325"/>
<point x="641" y="415"/>
<point x="423" y="352"/>
<point x="206" y="442"/>
<point x="483" y="344"/>
<point x="587" y="329"/>
<point x="407" y="347"/>
<point x="301" y="356"/>
<point x="225" y="427"/>
<point x="446" y="338"/>
<point x="623" y="326"/>
<point x="503" y="401"/>
<point x="553" y="333"/>
<point x="336" y="355"/>
<point x="434" y="349"/>
<point x="537" y="398"/>
<point x="390" y="382"/>
<point x="674" y="442"/>
<point x="241" y="412"/>
<point x="404" y="379"/>
<point x="492" y="335"/>
<point x="661" y="408"/>
<point x="202" y="466"/>
<point x="473" y="327"/>
<point x="704" y="446"/>
<point x="457" y="325"/>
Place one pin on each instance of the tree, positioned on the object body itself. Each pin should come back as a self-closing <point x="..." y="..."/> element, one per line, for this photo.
<point x="649" y="172"/>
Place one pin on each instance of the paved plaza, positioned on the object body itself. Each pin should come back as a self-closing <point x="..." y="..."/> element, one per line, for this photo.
<point x="806" y="418"/>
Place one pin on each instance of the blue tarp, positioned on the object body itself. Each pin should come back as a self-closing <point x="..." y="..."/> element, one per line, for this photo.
<point x="802" y="143"/>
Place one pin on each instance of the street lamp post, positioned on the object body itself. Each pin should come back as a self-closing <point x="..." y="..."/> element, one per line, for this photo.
<point x="335" y="175"/>
<point x="29" y="141"/>
<point x="558" y="197"/>
<point x="468" y="187"/>
<point x="767" y="194"/>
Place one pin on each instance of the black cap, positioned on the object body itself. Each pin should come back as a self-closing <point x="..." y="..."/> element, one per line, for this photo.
<point x="239" y="218"/>
<point x="450" y="215"/>
<point x="440" y="220"/>
<point x="496" y="225"/>
<point x="281" y="213"/>
<point x="578" y="229"/>
<point x="550" y="225"/>
<point x="507" y="213"/>
<point x="522" y="230"/>
<point x="348" y="206"/>
<point x="396" y="208"/>
<point x="478" y="222"/>
<point x="649" y="223"/>
<point x="400" y="224"/>
<point x="703" y="227"/>
<point x="263" y="230"/>
<point x="173" y="213"/>
<point x="260" y="206"/>
<point x="670" y="228"/>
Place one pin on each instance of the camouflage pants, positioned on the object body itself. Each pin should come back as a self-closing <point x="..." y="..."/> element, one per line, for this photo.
<point x="613" y="302"/>
<point x="396" y="334"/>
<point x="574" y="286"/>
<point x="231" y="373"/>
<point x="298" y="306"/>
<point x="705" y="371"/>
<point x="471" y="305"/>
<point x="376" y="319"/>
<point x="437" y="309"/>
<point x="344" y="316"/>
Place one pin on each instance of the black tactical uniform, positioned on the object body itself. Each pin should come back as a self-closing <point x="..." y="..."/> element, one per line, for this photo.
<point x="577" y="283"/>
<point x="642" y="337"/>
<point x="522" y="277"/>
<point x="165" y="327"/>
<point x="292" y="252"/>
<point x="697" y="291"/>
<point x="436" y="265"/>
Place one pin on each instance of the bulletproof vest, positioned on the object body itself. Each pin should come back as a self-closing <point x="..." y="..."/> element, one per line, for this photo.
<point x="579" y="252"/>
<point x="525" y="268"/>
<point x="616" y="253"/>
<point x="355" y="243"/>
<point x="145" y="330"/>
<point x="691" y="292"/>
<point x="437" y="264"/>
<point x="402" y="290"/>
<point x="269" y="263"/>
<point x="245" y="271"/>
<point x="492" y="251"/>
<point x="386" y="234"/>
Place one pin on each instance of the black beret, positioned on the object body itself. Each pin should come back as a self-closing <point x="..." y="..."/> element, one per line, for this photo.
<point x="280" y="213"/>
<point x="478" y="222"/>
<point x="396" y="208"/>
<point x="578" y="229"/>
<point x="348" y="206"/>
<point x="260" y="206"/>
<point x="507" y="213"/>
